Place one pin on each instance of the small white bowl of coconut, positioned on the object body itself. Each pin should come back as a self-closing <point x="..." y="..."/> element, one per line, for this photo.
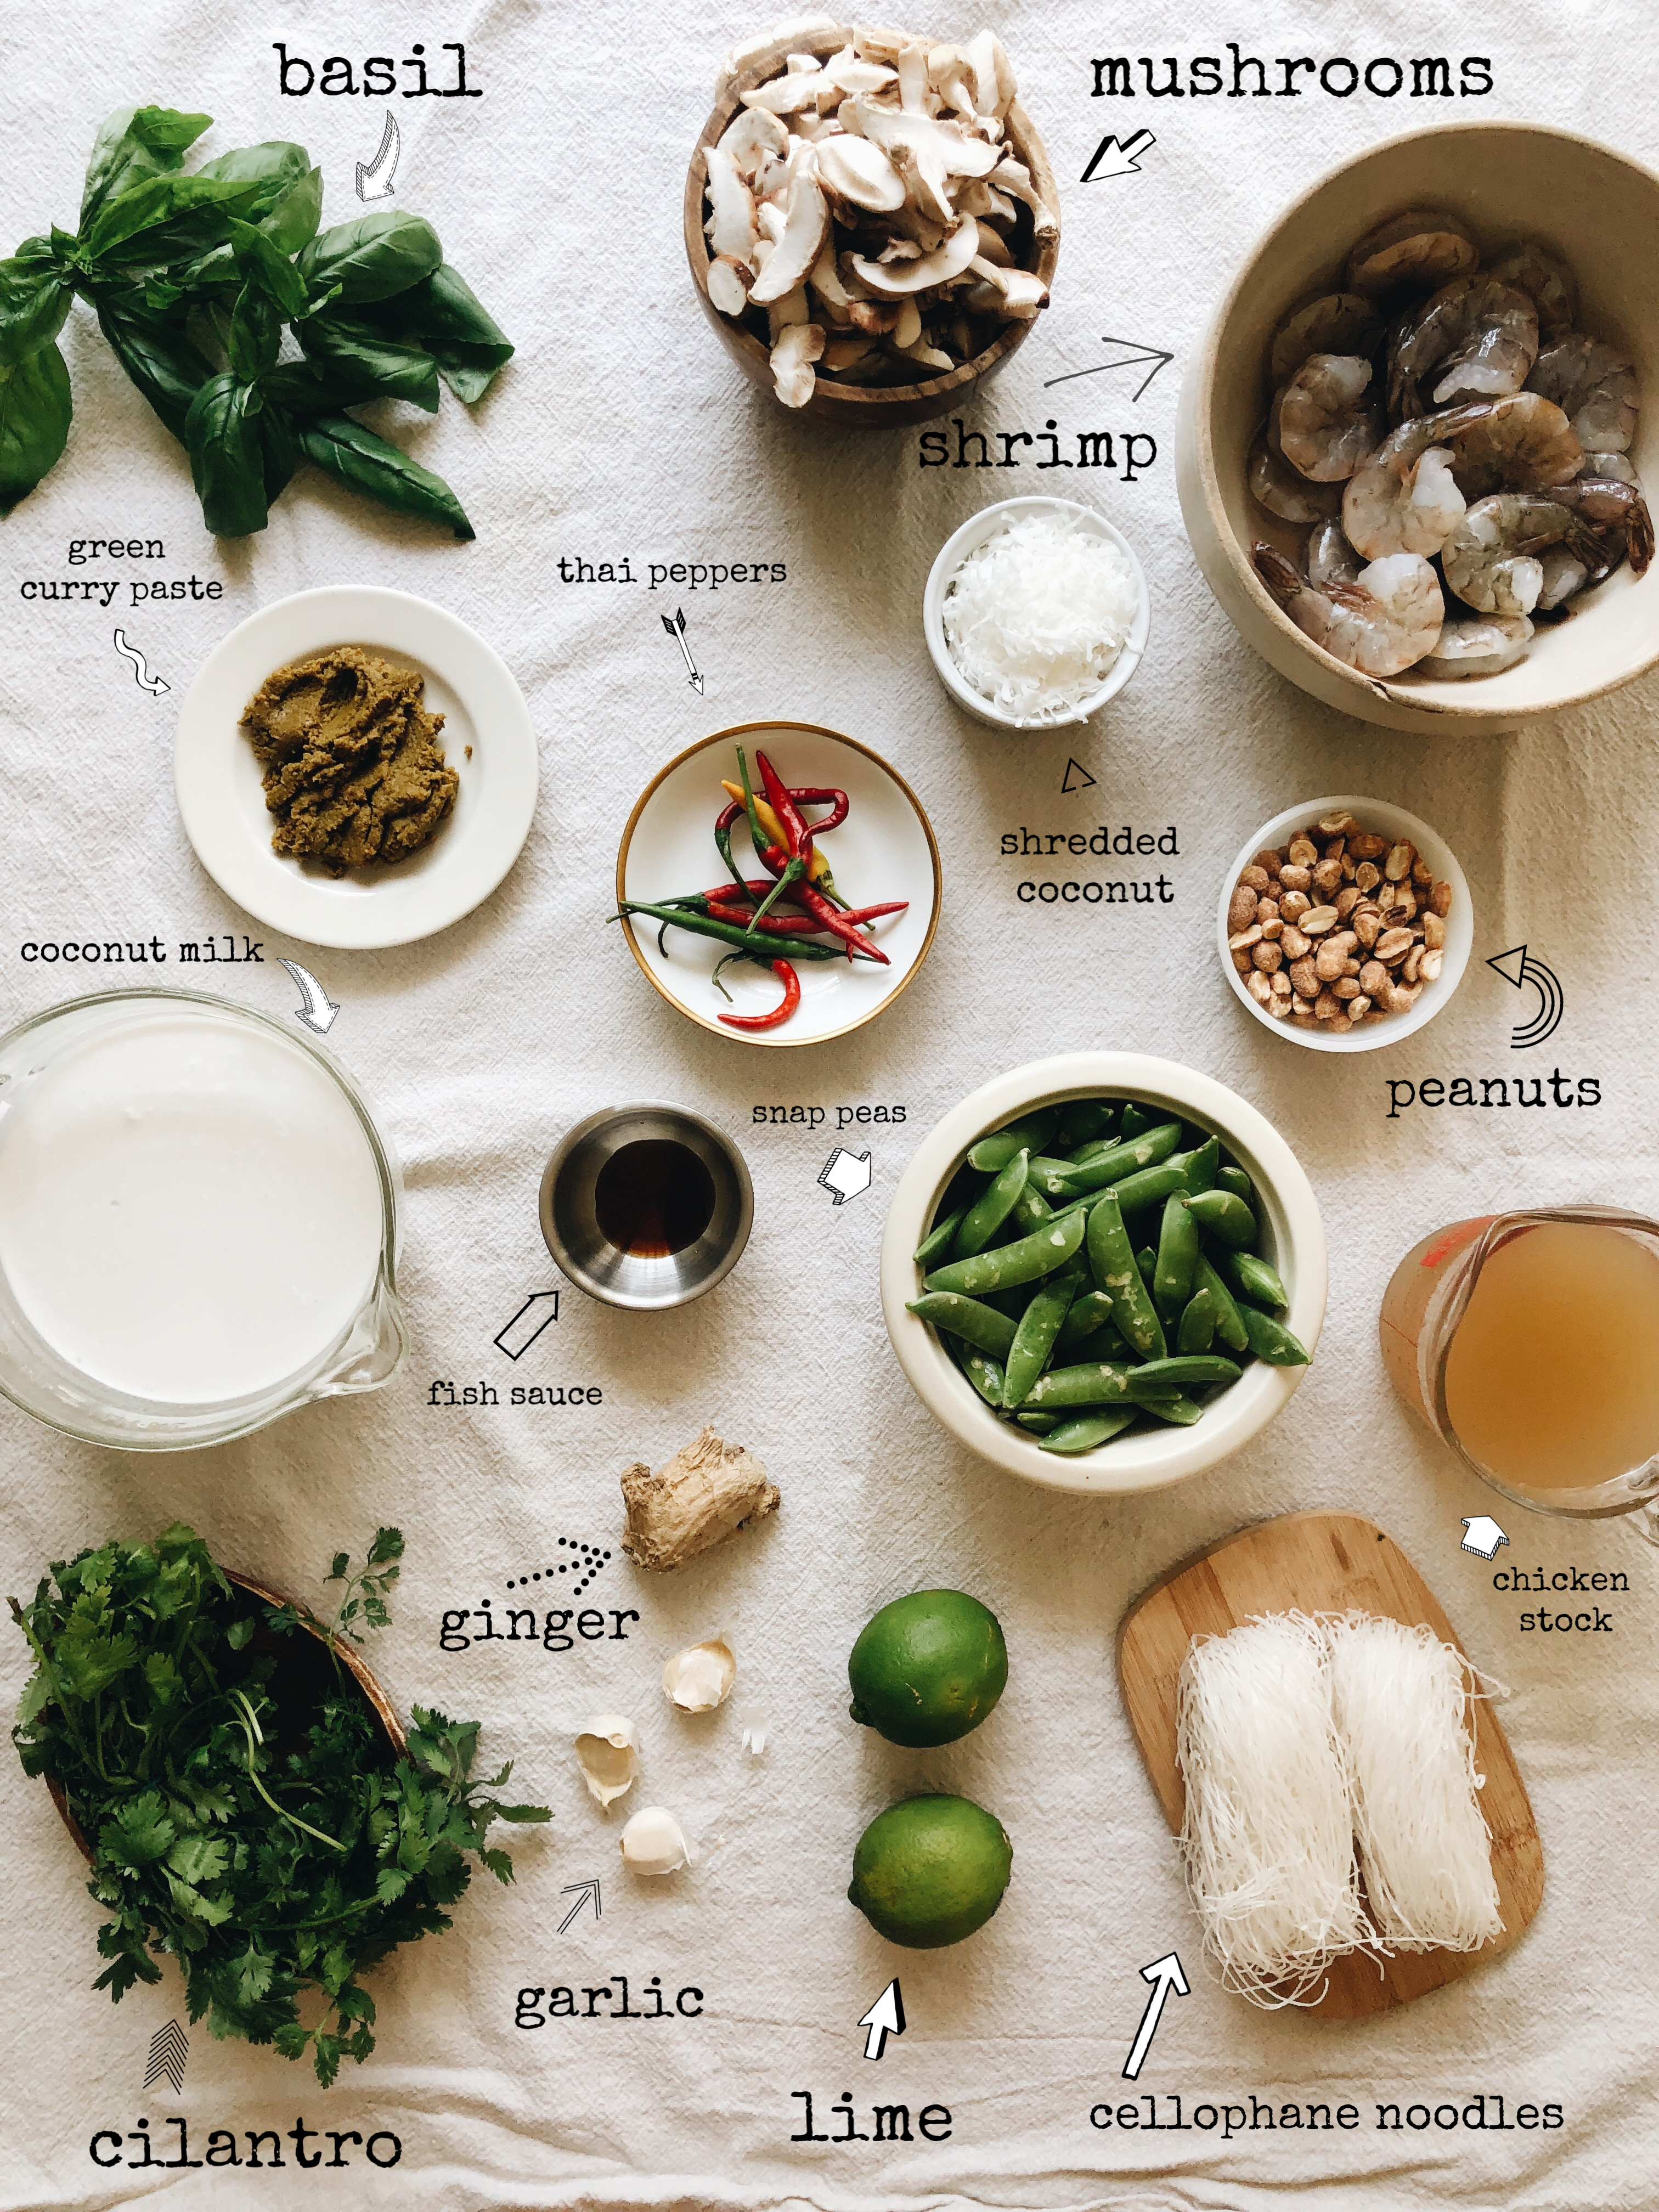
<point x="1035" y="613"/>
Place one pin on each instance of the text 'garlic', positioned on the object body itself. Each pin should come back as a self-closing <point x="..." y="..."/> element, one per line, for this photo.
<point x="701" y="1677"/>
<point x="607" y="1754"/>
<point x="653" y="1842"/>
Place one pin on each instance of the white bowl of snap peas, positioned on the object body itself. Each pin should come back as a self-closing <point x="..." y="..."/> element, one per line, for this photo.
<point x="1104" y="1272"/>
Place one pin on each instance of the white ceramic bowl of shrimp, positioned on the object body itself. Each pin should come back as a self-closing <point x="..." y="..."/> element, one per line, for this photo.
<point x="1387" y="821"/>
<point x="1595" y="209"/>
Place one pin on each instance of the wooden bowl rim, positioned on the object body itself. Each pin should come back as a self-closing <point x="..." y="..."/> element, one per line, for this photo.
<point x="1021" y="134"/>
<point x="1204" y="372"/>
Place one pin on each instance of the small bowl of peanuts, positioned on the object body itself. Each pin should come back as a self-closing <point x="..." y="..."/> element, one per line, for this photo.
<point x="1345" y="924"/>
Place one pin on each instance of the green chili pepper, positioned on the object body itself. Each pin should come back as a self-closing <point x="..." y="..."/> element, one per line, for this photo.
<point x="1034" y="1340"/>
<point x="976" y="1324"/>
<point x="1124" y="1160"/>
<point x="732" y="933"/>
<point x="1115" y="1271"/>
<point x="1177" y="1257"/>
<point x="1030" y="1135"/>
<point x="1228" y="1324"/>
<point x="986" y="1376"/>
<point x="1203" y="1166"/>
<point x="1000" y="1269"/>
<point x="1150" y="1187"/>
<point x="1197" y="1330"/>
<point x="1252" y="1279"/>
<point x="937" y="1243"/>
<point x="1235" y="1179"/>
<point x="1085" y="1433"/>
<point x="1271" y="1341"/>
<point x="1224" y="1217"/>
<point x="987" y="1213"/>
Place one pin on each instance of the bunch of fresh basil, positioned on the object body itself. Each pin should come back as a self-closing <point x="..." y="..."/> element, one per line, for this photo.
<point x="183" y="272"/>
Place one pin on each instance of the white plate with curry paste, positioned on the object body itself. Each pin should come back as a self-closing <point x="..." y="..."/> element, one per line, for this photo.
<point x="486" y="739"/>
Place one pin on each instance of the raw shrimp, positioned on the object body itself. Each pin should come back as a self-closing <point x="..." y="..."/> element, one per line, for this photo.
<point x="1327" y="425"/>
<point x="1477" y="337"/>
<point x="1564" y="573"/>
<point x="1593" y="384"/>
<point x="1619" y="466"/>
<point x="1547" y="283"/>
<point x="1339" y="322"/>
<point x="1331" y="559"/>
<point x="1276" y="484"/>
<point x="1403" y="500"/>
<point x="1387" y="619"/>
<point x="1491" y="559"/>
<point x="1485" y="646"/>
<point x="1616" y="523"/>
<point x="1522" y="442"/>
<point x="1421" y="247"/>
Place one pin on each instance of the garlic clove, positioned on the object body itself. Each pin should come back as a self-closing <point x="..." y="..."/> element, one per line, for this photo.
<point x="653" y="1843"/>
<point x="701" y="1677"/>
<point x="607" y="1754"/>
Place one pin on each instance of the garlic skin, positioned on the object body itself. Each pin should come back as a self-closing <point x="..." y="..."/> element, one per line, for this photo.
<point x="607" y="1754"/>
<point x="701" y="1677"/>
<point x="755" y="1721"/>
<point x="654" y="1843"/>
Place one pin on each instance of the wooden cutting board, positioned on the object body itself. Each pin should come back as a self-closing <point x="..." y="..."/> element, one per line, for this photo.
<point x="1323" y="1563"/>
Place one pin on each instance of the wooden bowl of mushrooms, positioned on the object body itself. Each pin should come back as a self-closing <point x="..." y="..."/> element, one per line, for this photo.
<point x="872" y="222"/>
<point x="1411" y="453"/>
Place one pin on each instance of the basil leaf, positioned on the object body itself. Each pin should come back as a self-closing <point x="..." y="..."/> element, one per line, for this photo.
<point x="364" y="463"/>
<point x="142" y="213"/>
<point x="34" y="419"/>
<point x="254" y="335"/>
<point x="279" y="451"/>
<point x="34" y="303"/>
<point x="156" y="354"/>
<point x="273" y="166"/>
<point x="372" y="256"/>
<point x="446" y="315"/>
<point x="222" y="435"/>
<point x="133" y="143"/>
<point x="301" y="390"/>
<point x="362" y="363"/>
<point x="261" y="263"/>
<point x="291" y="221"/>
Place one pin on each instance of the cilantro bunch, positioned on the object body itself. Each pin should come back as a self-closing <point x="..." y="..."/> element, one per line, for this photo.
<point x="269" y="1840"/>
<point x="196" y="278"/>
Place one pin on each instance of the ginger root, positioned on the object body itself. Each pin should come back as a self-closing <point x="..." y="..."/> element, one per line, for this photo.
<point x="705" y="1494"/>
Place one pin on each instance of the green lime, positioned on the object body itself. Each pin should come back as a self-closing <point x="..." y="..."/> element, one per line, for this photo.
<point x="930" y="1871"/>
<point x="927" y="1669"/>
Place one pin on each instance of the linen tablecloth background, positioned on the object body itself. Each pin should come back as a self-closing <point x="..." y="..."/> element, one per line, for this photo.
<point x="621" y="428"/>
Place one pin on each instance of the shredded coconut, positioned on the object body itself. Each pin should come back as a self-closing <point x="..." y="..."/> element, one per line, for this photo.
<point x="1036" y="616"/>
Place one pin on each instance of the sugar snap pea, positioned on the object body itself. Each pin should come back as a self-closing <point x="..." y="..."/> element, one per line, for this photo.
<point x="1196" y="1332"/>
<point x="1040" y="1425"/>
<point x="1090" y="1311"/>
<point x="1099" y="1383"/>
<point x="1203" y="1166"/>
<point x="985" y="1373"/>
<point x="1085" y="1433"/>
<point x="994" y="1153"/>
<point x="1177" y="1407"/>
<point x="937" y="1243"/>
<point x="989" y="1211"/>
<point x="1225" y="1218"/>
<point x="1085" y="1120"/>
<point x="1050" y="1176"/>
<point x="1271" y="1341"/>
<point x="1007" y="1265"/>
<point x="1252" y="1279"/>
<point x="1034" y="1339"/>
<point x="1235" y="1179"/>
<point x="1146" y="1260"/>
<point x="1150" y="1187"/>
<point x="1229" y="1325"/>
<point x="1177" y="1256"/>
<point x="1137" y="1118"/>
<point x="1126" y="1159"/>
<point x="1112" y="1262"/>
<point x="979" y="1325"/>
<point x="1160" y="1378"/>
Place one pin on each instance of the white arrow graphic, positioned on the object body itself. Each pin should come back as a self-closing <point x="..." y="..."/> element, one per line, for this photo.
<point x="1115" y="157"/>
<point x="1482" y="1535"/>
<point x="884" y="2018"/>
<point x="319" y="1010"/>
<point x="1166" y="1973"/>
<point x="374" y="178"/>
<point x="845" y="1174"/>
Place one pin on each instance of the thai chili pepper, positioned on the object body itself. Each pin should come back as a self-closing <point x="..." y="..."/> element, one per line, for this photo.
<point x="722" y="895"/>
<point x="728" y="932"/>
<point x="772" y="925"/>
<point x="798" y="838"/>
<point x="791" y="982"/>
<point x="826" y="915"/>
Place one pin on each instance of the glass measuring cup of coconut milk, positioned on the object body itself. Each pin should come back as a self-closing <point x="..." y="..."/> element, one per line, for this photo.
<point x="1529" y="1343"/>
<point x="198" y="1223"/>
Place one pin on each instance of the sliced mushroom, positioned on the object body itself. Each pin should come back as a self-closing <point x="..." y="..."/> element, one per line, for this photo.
<point x="796" y="348"/>
<point x="806" y="228"/>
<point x="769" y="219"/>
<point x="1011" y="176"/>
<point x="906" y="331"/>
<point x="924" y="355"/>
<point x="892" y="280"/>
<point x="900" y="249"/>
<point x="913" y="77"/>
<point x="876" y="316"/>
<point x="1023" y="291"/>
<point x="992" y="246"/>
<point x="925" y="152"/>
<point x="849" y="72"/>
<point x="825" y="279"/>
<point x="752" y="132"/>
<point x="994" y="87"/>
<point x="980" y="197"/>
<point x="732" y="221"/>
<point x="950" y="74"/>
<point x="792" y="309"/>
<point x="841" y="353"/>
<point x="787" y="94"/>
<point x="856" y="170"/>
<point x="729" y="280"/>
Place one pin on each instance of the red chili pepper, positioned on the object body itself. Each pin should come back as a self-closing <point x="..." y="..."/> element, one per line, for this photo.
<point x="857" y="913"/>
<point x="779" y="923"/>
<point x="728" y="890"/>
<point x="829" y="917"/>
<point x="791" y="982"/>
<point x="835" y="800"/>
<point x="783" y="806"/>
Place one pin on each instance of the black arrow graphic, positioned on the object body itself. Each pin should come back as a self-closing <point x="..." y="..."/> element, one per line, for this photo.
<point x="588" y="1889"/>
<point x="169" y="2047"/>
<point x="540" y="1307"/>
<point x="1136" y="354"/>
<point x="1518" y="967"/>
<point x="1118" y="157"/>
<point x="1075" y="769"/>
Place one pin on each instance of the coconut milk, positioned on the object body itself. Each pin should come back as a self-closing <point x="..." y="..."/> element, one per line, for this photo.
<point x="190" y="1209"/>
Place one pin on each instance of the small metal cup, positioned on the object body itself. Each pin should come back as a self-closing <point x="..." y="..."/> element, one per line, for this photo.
<point x="586" y="1254"/>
